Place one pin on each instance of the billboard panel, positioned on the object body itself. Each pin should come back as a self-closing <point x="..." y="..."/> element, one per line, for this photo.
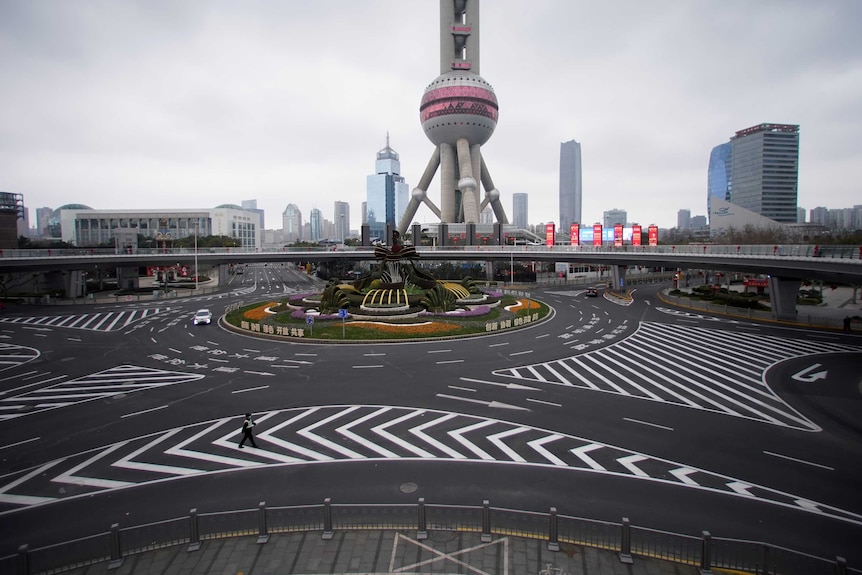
<point x="550" y="233"/>
<point x="597" y="234"/>
<point x="618" y="235"/>
<point x="575" y="234"/>
<point x="653" y="235"/>
<point x="636" y="235"/>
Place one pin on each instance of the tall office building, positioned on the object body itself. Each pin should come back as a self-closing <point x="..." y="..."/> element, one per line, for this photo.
<point x="43" y="216"/>
<point x="386" y="193"/>
<point x="613" y="217"/>
<point x="683" y="219"/>
<point x="342" y="221"/>
<point x="291" y="224"/>
<point x="571" y="192"/>
<point x="251" y="205"/>
<point x="315" y="220"/>
<point x="764" y="171"/>
<point x="520" y="215"/>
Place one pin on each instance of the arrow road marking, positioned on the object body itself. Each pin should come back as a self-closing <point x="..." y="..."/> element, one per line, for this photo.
<point x="516" y="386"/>
<point x="807" y="377"/>
<point x="497" y="404"/>
<point x="537" y="445"/>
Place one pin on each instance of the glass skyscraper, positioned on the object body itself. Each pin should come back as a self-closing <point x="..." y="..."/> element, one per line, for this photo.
<point x="520" y="217"/>
<point x="718" y="176"/>
<point x="571" y="192"/>
<point x="759" y="170"/>
<point x="386" y="193"/>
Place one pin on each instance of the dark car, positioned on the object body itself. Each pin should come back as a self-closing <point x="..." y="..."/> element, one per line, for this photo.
<point x="592" y="292"/>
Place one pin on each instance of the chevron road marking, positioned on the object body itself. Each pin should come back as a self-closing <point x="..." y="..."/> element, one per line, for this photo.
<point x="27" y="499"/>
<point x="741" y="488"/>
<point x="683" y="475"/>
<point x="581" y="453"/>
<point x="127" y="463"/>
<point x="497" y="438"/>
<point x="458" y="435"/>
<point x="381" y="431"/>
<point x="629" y="463"/>
<point x="345" y="431"/>
<point x="420" y="433"/>
<point x="70" y="477"/>
<point x="369" y="433"/>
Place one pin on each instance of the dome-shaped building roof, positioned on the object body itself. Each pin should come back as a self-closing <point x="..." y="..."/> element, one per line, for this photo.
<point x="228" y="207"/>
<point x="73" y="207"/>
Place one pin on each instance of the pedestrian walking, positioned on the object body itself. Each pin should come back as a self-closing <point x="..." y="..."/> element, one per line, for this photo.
<point x="247" y="425"/>
<point x="847" y="323"/>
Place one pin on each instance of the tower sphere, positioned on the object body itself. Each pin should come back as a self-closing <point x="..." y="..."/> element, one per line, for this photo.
<point x="459" y="105"/>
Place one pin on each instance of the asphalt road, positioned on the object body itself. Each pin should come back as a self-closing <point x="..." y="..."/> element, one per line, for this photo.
<point x="128" y="413"/>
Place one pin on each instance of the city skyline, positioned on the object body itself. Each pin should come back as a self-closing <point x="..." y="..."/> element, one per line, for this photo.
<point x="137" y="106"/>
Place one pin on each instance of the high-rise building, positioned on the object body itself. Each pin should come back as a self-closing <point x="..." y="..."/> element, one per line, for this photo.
<point x="718" y="175"/>
<point x="571" y="193"/>
<point x="800" y="215"/>
<point x="315" y="219"/>
<point x="43" y="216"/>
<point x="819" y="215"/>
<point x="683" y="219"/>
<point x="386" y="192"/>
<point x="764" y="170"/>
<point x="520" y="215"/>
<point x="613" y="217"/>
<point x="342" y="220"/>
<point x="251" y="205"/>
<point x="291" y="224"/>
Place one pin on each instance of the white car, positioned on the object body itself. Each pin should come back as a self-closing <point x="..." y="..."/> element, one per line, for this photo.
<point x="203" y="316"/>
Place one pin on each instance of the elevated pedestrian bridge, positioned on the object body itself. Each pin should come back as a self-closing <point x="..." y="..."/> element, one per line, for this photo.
<point x="786" y="266"/>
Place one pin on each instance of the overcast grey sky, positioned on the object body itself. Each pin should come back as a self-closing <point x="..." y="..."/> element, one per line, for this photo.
<point x="190" y="104"/>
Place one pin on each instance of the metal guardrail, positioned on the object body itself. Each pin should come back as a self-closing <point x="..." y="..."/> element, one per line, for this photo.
<point x="629" y="541"/>
<point x="772" y="250"/>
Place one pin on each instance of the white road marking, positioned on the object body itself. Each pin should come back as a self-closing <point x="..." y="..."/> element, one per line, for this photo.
<point x="258" y="373"/>
<point x="74" y="339"/>
<point x="252" y="350"/>
<point x="545" y="402"/>
<point x="461" y="388"/>
<point x="439" y="350"/>
<point x="153" y="339"/>
<point x="506" y="385"/>
<point x="450" y="361"/>
<point x="144" y="411"/>
<point x="19" y="443"/>
<point x="365" y="366"/>
<point x="648" y="423"/>
<point x="581" y="453"/>
<point x="499" y="344"/>
<point x="174" y="350"/>
<point x="799" y="460"/>
<point x="520" y="352"/>
<point x="250" y="389"/>
<point x="370" y="354"/>
<point x="543" y="335"/>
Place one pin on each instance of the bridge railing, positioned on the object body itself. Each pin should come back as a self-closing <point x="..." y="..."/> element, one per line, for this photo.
<point x="629" y="541"/>
<point x="771" y="250"/>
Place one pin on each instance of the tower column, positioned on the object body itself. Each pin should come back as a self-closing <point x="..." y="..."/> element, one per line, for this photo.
<point x="467" y="183"/>
<point x="448" y="182"/>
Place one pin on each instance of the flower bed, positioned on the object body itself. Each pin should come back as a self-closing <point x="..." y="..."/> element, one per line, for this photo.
<point x="260" y="312"/>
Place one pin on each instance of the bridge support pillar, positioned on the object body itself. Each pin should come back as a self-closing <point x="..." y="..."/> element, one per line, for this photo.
<point x="222" y="274"/>
<point x="74" y="283"/>
<point x="782" y="296"/>
<point x="618" y="278"/>
<point x="127" y="278"/>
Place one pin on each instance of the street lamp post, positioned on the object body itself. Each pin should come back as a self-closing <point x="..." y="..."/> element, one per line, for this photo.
<point x="342" y="229"/>
<point x="196" y="255"/>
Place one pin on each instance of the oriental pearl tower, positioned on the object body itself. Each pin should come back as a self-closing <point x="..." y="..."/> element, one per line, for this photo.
<point x="458" y="113"/>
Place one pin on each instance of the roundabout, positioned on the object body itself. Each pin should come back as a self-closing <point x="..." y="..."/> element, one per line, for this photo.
<point x="396" y="300"/>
